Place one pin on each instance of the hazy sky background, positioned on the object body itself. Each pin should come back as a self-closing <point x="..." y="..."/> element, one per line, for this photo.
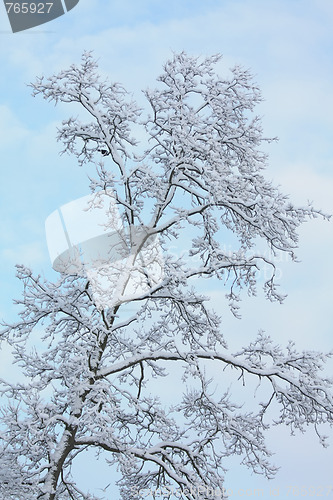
<point x="288" y="44"/>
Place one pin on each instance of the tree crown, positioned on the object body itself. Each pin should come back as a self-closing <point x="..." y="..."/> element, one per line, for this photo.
<point x="91" y="384"/>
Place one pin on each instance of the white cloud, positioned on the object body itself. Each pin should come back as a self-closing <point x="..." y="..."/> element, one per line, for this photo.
<point x="304" y="183"/>
<point x="30" y="254"/>
<point x="12" y="131"/>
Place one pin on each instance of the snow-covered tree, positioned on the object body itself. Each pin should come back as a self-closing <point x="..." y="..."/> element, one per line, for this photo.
<point x="195" y="176"/>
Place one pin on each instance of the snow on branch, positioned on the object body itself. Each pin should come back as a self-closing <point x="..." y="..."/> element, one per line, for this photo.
<point x="92" y="371"/>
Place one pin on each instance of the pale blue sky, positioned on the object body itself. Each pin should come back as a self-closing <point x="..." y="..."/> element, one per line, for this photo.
<point x="288" y="44"/>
